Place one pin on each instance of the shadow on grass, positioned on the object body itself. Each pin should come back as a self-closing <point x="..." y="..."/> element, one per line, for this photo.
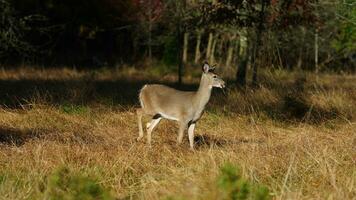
<point x="207" y="141"/>
<point x="17" y="137"/>
<point x="202" y="141"/>
<point x="17" y="93"/>
<point x="291" y="104"/>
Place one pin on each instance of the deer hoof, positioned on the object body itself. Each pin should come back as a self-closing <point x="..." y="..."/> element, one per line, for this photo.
<point x="148" y="125"/>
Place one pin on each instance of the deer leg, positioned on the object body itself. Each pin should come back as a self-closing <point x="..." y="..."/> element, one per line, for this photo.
<point x="191" y="135"/>
<point x="152" y="125"/>
<point x="139" y="113"/>
<point x="182" y="127"/>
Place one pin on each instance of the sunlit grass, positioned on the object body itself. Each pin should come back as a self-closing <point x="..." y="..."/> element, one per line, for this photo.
<point x="81" y="124"/>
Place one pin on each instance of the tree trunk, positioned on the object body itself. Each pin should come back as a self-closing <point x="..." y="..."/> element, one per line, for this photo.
<point x="197" y="48"/>
<point x="280" y="66"/>
<point x="185" y="47"/>
<point x="219" y="50"/>
<point x="150" y="31"/>
<point x="208" y="49"/>
<point x="300" y="56"/>
<point x="242" y="71"/>
<point x="180" y="56"/>
<point x="134" y="46"/>
<point x="230" y="51"/>
<point x="316" y="46"/>
<point x="181" y="32"/>
<point x="258" y="44"/>
<point x="212" y="53"/>
<point x="245" y="54"/>
<point x="254" y="55"/>
<point x="237" y="49"/>
<point x="149" y="41"/>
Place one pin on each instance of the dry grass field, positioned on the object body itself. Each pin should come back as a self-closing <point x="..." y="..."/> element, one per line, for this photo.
<point x="296" y="135"/>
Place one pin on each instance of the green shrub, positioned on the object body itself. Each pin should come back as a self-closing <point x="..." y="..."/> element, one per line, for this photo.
<point x="161" y="69"/>
<point x="174" y="198"/>
<point x="64" y="184"/>
<point x="2" y="178"/>
<point x="234" y="187"/>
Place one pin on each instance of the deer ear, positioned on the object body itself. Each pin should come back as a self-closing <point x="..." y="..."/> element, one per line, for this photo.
<point x="206" y="67"/>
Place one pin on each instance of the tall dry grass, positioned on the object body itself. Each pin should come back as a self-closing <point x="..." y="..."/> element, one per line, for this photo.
<point x="295" y="135"/>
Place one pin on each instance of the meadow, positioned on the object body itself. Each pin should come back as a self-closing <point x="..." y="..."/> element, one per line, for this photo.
<point x="67" y="130"/>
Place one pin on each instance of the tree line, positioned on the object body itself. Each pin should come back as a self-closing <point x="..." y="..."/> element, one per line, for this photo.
<point x="238" y="35"/>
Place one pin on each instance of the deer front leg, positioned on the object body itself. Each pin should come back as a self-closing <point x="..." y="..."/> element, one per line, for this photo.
<point x="191" y="135"/>
<point x="182" y="126"/>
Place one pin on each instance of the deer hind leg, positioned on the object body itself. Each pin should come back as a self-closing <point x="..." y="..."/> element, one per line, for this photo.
<point x="150" y="126"/>
<point x="139" y="113"/>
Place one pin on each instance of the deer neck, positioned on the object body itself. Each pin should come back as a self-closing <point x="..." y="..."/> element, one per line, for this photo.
<point x="203" y="94"/>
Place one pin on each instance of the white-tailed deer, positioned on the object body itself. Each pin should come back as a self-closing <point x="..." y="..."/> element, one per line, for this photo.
<point x="185" y="107"/>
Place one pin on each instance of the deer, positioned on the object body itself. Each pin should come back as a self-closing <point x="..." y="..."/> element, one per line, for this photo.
<point x="186" y="107"/>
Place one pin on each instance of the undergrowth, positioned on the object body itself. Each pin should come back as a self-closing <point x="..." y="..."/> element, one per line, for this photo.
<point x="292" y="138"/>
<point x="64" y="184"/>
<point x="234" y="187"/>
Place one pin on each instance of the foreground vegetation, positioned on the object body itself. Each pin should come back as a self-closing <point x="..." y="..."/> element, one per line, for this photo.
<point x="67" y="134"/>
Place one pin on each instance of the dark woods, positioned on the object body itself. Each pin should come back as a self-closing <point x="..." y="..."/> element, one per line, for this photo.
<point x="80" y="32"/>
<point x="236" y="34"/>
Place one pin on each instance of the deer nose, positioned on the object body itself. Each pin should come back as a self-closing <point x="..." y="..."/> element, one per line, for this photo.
<point x="223" y="85"/>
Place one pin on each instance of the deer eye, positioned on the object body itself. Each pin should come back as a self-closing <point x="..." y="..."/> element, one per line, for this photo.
<point x="215" y="76"/>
